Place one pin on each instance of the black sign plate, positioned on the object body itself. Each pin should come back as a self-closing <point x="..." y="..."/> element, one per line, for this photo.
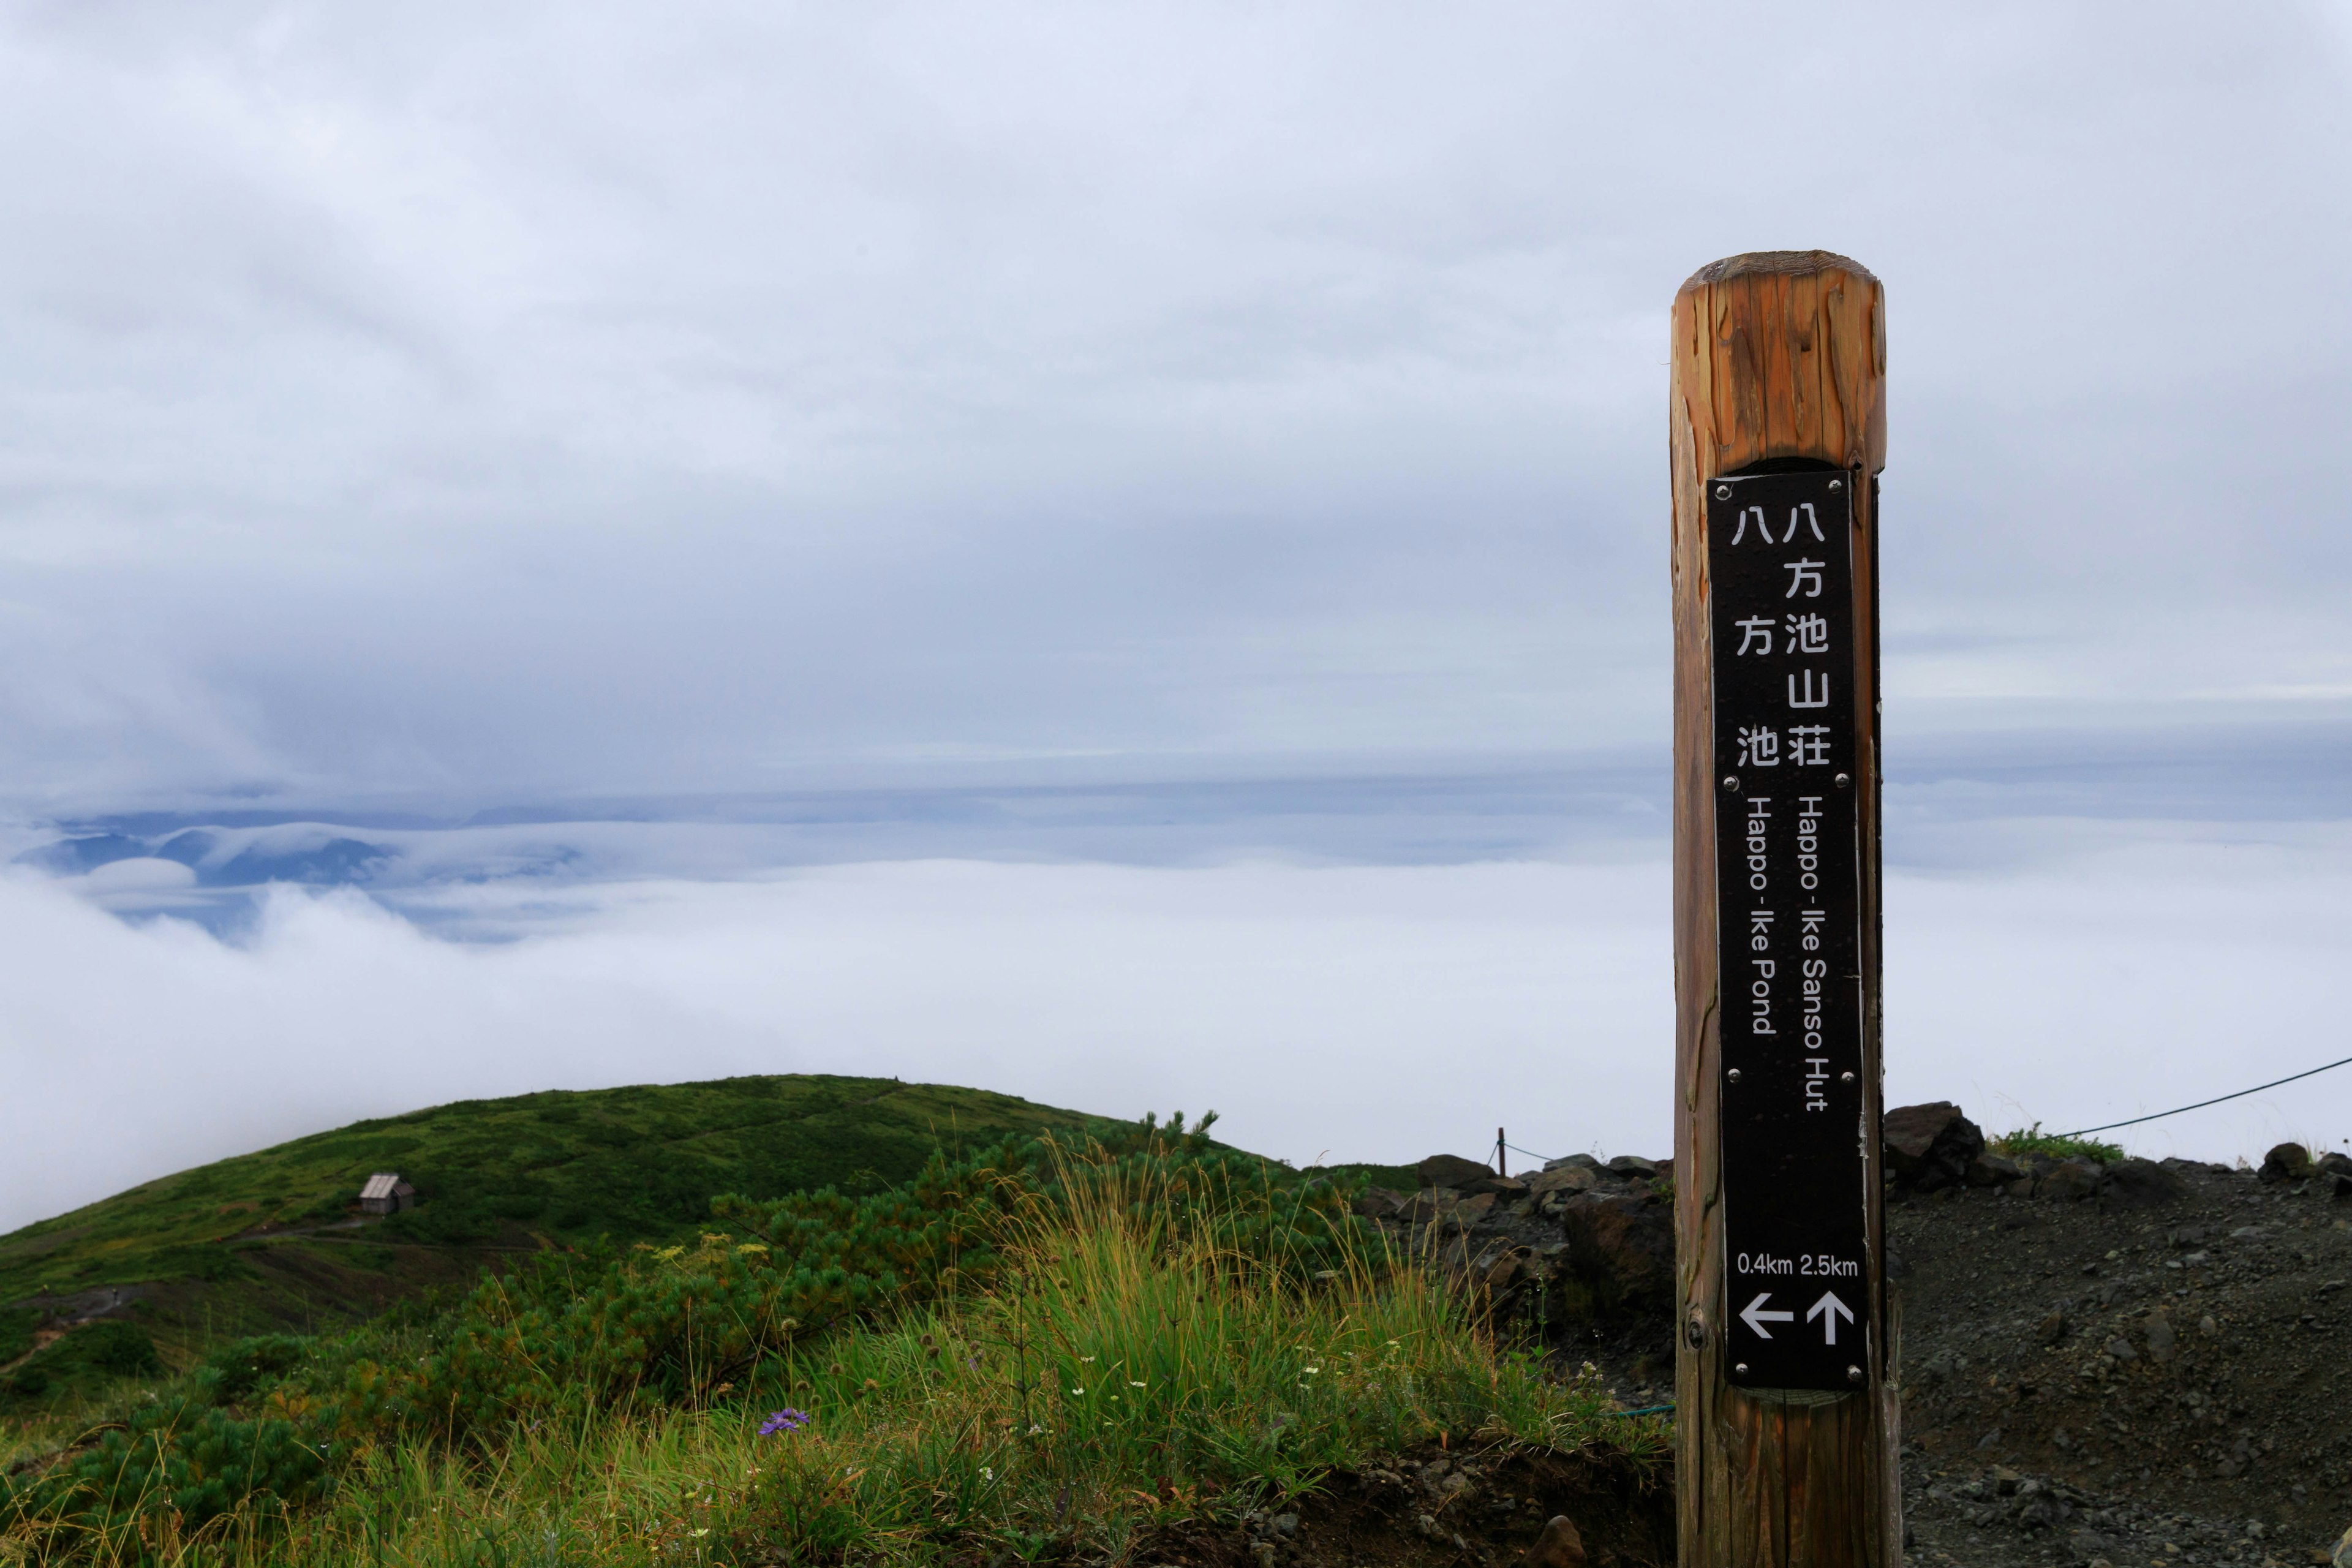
<point x="1789" y="905"/>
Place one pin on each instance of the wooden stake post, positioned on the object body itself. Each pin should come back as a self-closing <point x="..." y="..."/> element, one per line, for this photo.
<point x="1784" y="1377"/>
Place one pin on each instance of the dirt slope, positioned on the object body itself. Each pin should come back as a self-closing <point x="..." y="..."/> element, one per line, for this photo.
<point x="2176" y="1377"/>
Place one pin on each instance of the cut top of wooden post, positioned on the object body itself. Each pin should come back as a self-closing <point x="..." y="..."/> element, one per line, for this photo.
<point x="1781" y="353"/>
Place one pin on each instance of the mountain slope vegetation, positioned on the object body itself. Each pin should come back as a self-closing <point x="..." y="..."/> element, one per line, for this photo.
<point x="272" y="1239"/>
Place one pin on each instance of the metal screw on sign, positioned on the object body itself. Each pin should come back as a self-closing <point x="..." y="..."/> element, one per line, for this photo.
<point x="1733" y="1075"/>
<point x="1837" y="484"/>
<point x="1741" y="1369"/>
<point x="1845" y="780"/>
<point x="1723" y="492"/>
<point x="1731" y="781"/>
<point x="1854" y="1374"/>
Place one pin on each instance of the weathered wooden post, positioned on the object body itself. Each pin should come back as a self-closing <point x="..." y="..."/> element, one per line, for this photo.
<point x="1787" y="1406"/>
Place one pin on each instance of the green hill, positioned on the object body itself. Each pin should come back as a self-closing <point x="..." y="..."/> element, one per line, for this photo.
<point x="273" y="1239"/>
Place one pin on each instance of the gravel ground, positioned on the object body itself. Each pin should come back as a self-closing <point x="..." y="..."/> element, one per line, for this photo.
<point x="2169" y="1384"/>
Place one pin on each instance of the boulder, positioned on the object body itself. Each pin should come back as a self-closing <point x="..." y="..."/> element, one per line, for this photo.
<point x="1560" y="1546"/>
<point x="2138" y="1184"/>
<point x="1621" y="1252"/>
<point x="1427" y="1205"/>
<point x="1454" y="1171"/>
<point x="1635" y="1167"/>
<point x="2343" y="1554"/>
<point x="2287" y="1162"/>
<point x="1994" y="1171"/>
<point x="1499" y="1265"/>
<point x="1579" y="1162"/>
<point x="2333" y="1163"/>
<point x="2068" y="1180"/>
<point x="1562" y="1179"/>
<point x="1379" y="1203"/>
<point x="1930" y="1146"/>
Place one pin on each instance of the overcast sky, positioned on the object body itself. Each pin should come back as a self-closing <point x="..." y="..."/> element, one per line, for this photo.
<point x="432" y="405"/>
<point x="575" y="397"/>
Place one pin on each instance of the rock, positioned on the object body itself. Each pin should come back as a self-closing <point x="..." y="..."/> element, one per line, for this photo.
<point x="1379" y="1203"/>
<point x="2343" y="1558"/>
<point x="2207" y="1326"/>
<point x="1993" y="1171"/>
<point x="1475" y="1207"/>
<point x="2088" y="1545"/>
<point x="1286" y="1524"/>
<point x="1561" y="1179"/>
<point x="2120" y="1348"/>
<point x="2138" y="1184"/>
<point x="2054" y="1327"/>
<point x="1501" y="1266"/>
<point x="1454" y="1171"/>
<point x="2160" y="1337"/>
<point x="1427" y="1205"/>
<point x="2286" y="1163"/>
<point x="1633" y="1165"/>
<point x="1930" y="1146"/>
<point x="2333" y="1163"/>
<point x="2069" y="1180"/>
<point x="1621" y="1252"/>
<point x="1574" y="1161"/>
<point x="1508" y="1189"/>
<point x="1560" y="1546"/>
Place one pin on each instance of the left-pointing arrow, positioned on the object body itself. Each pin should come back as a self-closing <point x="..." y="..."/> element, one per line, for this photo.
<point x="1756" y="1317"/>
<point x="1829" y="1310"/>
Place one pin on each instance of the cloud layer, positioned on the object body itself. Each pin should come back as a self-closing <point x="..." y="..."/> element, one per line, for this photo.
<point x="1348" y="1012"/>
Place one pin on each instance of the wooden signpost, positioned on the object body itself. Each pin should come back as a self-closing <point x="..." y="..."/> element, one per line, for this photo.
<point x="1787" y="1408"/>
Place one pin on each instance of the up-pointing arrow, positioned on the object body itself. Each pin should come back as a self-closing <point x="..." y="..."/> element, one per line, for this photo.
<point x="1755" y="1317"/>
<point x="1829" y="1310"/>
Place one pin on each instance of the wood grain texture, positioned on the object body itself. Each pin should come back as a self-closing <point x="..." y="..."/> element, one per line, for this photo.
<point x="1776" y="355"/>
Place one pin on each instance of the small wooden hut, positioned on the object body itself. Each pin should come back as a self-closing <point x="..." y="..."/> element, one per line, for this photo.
<point x="385" y="1192"/>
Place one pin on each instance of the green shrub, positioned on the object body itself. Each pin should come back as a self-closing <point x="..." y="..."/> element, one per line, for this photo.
<point x="2033" y="1141"/>
<point x="1122" y="1365"/>
<point x="236" y="1372"/>
<point x="93" y="1355"/>
<point x="174" y="1459"/>
<point x="605" y="1334"/>
<point x="16" y="1326"/>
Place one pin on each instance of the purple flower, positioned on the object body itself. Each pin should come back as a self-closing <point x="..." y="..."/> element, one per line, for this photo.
<point x="785" y="1420"/>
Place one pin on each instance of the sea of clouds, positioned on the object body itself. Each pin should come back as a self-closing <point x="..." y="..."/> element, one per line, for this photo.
<point x="2061" y="968"/>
